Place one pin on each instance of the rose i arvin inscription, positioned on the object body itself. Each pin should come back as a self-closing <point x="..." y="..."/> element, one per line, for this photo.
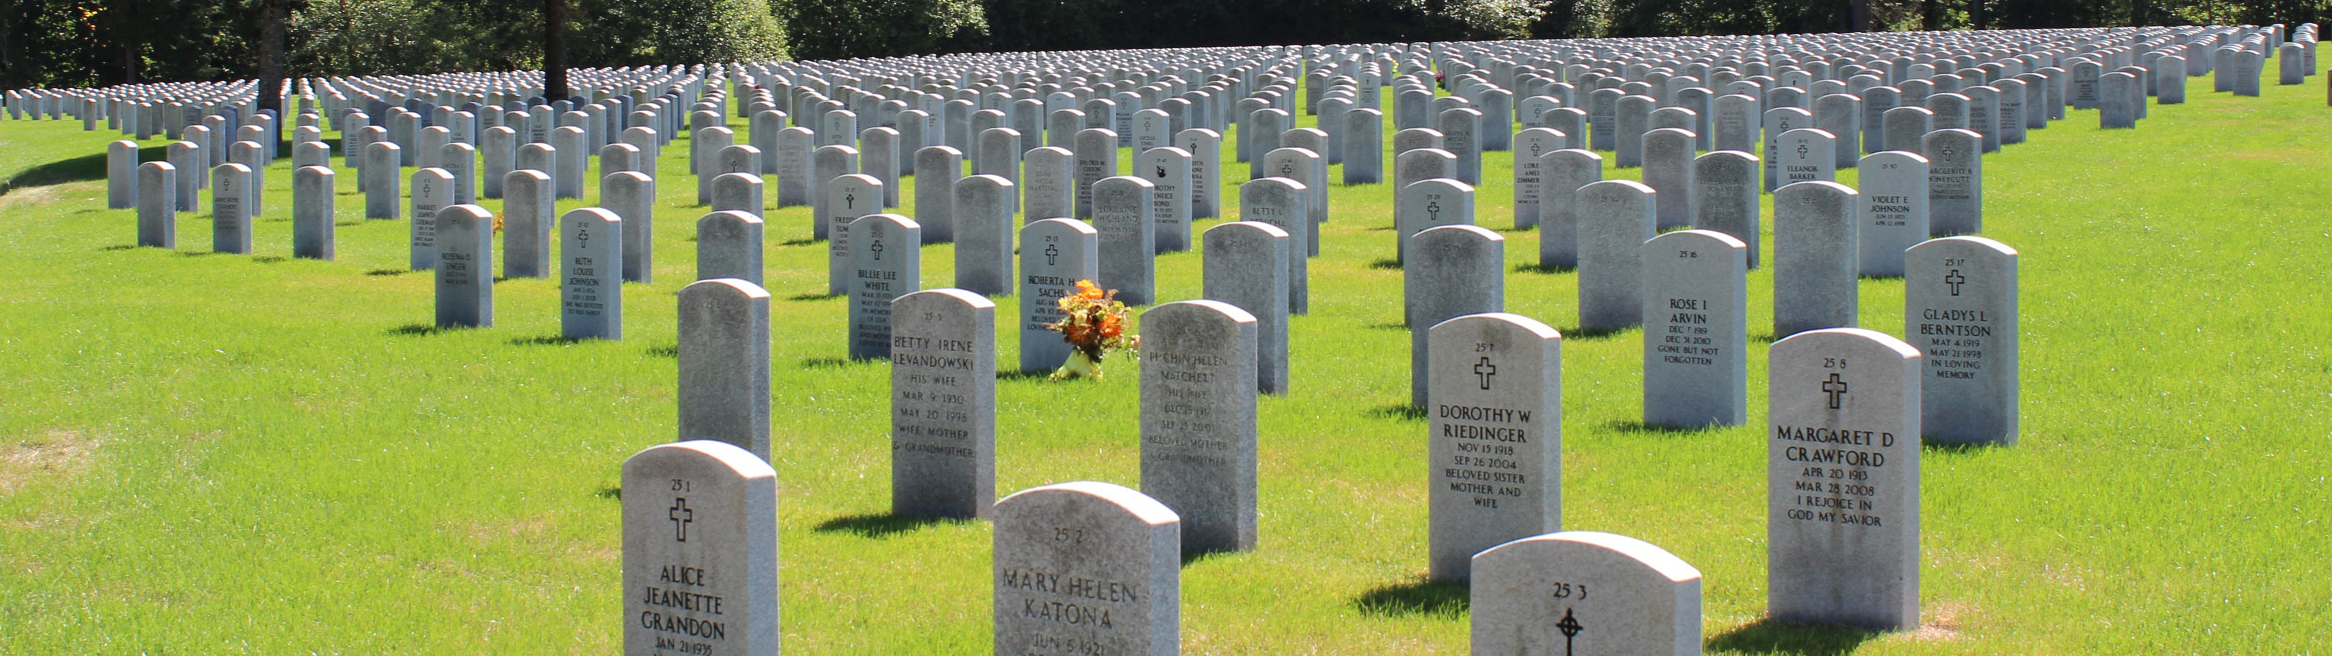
<point x="1696" y="366"/>
<point x="699" y="551"/>
<point x="1495" y="436"/>
<point x="1842" y="480"/>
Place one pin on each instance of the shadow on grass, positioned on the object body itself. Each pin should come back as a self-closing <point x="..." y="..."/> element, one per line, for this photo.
<point x="609" y="492"/>
<point x="880" y="526"/>
<point x="1959" y="450"/>
<point x="270" y="259"/>
<point x="197" y="253"/>
<point x="812" y="297"/>
<point x="388" y="272"/>
<point x="800" y="242"/>
<point x="1388" y="326"/>
<point x="1400" y="411"/>
<point x="1771" y="637"/>
<point x="1543" y="268"/>
<point x="345" y="224"/>
<point x="1385" y="264"/>
<point x="671" y="351"/>
<point x="1418" y="596"/>
<point x="834" y="363"/>
<point x="1638" y="427"/>
<point x="545" y="340"/>
<point x="1768" y="338"/>
<point x="415" y="330"/>
<point x="78" y="169"/>
<point x="120" y="247"/>
<point x="1193" y="557"/>
<point x="1576" y="333"/>
<point x="1023" y="375"/>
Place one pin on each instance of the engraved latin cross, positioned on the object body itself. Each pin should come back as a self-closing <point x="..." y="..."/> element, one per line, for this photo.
<point x="682" y="516"/>
<point x="1836" y="388"/>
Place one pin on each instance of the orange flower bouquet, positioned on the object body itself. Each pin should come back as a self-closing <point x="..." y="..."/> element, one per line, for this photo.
<point x="1094" y="323"/>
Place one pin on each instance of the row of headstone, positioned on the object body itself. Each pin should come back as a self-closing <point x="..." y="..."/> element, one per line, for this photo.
<point x="1197" y="451"/>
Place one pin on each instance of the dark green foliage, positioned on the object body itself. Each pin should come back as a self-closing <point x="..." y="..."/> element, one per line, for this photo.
<point x="96" y="42"/>
<point x="91" y="42"/>
<point x="835" y="29"/>
<point x="1094" y="24"/>
<point x="102" y="42"/>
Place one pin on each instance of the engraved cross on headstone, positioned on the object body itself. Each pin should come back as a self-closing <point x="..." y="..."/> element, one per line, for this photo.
<point x="1836" y="388"/>
<point x="877" y="247"/>
<point x="1571" y="628"/>
<point x="1954" y="279"/>
<point x="1052" y="255"/>
<point x="1433" y="211"/>
<point x="1485" y="370"/>
<point x="682" y="516"/>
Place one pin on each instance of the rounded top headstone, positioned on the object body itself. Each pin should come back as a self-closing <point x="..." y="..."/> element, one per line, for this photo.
<point x="1653" y="558"/>
<point x="1137" y="506"/>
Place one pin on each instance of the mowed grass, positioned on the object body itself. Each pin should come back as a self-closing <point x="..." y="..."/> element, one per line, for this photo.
<point x="222" y="454"/>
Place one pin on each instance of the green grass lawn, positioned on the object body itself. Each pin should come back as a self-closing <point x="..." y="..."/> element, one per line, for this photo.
<point x="223" y="454"/>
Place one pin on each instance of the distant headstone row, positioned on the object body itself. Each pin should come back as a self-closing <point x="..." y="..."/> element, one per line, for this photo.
<point x="1086" y="567"/>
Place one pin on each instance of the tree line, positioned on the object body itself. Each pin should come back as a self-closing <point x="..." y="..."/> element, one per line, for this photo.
<point x="99" y="42"/>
